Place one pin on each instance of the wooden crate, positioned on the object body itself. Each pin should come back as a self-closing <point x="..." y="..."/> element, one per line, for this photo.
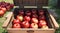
<point x="8" y="26"/>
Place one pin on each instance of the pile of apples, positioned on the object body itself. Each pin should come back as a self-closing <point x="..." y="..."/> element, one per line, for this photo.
<point x="30" y="19"/>
<point x="4" y="6"/>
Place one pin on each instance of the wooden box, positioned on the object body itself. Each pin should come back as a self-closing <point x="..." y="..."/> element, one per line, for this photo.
<point x="51" y="23"/>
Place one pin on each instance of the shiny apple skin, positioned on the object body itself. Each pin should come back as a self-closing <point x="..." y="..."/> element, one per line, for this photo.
<point x="1" y="12"/>
<point x="16" y="21"/>
<point x="20" y="18"/>
<point x="25" y="24"/>
<point x="34" y="20"/>
<point x="42" y="23"/>
<point x="27" y="18"/>
<point x="34" y="25"/>
<point x="17" y="25"/>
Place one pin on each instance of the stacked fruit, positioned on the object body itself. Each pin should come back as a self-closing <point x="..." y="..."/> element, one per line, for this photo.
<point x="4" y="6"/>
<point x="30" y="19"/>
<point x="42" y="19"/>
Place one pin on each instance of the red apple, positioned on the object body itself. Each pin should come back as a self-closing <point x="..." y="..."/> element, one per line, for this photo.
<point x="44" y="27"/>
<point x="42" y="23"/>
<point x="4" y="5"/>
<point x="8" y="4"/>
<point x="0" y="3"/>
<point x="34" y="11"/>
<point x="27" y="18"/>
<point x="16" y="21"/>
<point x="4" y="9"/>
<point x="17" y="25"/>
<point x="34" y="16"/>
<point x="42" y="17"/>
<point x="20" y="18"/>
<point x="28" y="13"/>
<point x="11" y="5"/>
<point x="1" y="12"/>
<point x="41" y="12"/>
<point x="34" y="25"/>
<point x="35" y="20"/>
<point x="8" y="7"/>
<point x="3" y="2"/>
<point x="25" y="24"/>
<point x="0" y="7"/>
<point x="21" y="12"/>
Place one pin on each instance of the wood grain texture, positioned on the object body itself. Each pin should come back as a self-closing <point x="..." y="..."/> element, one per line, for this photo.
<point x="54" y="22"/>
<point x="5" y="24"/>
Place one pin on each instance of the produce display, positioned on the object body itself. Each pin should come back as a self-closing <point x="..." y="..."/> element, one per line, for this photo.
<point x="4" y="6"/>
<point x="30" y="19"/>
